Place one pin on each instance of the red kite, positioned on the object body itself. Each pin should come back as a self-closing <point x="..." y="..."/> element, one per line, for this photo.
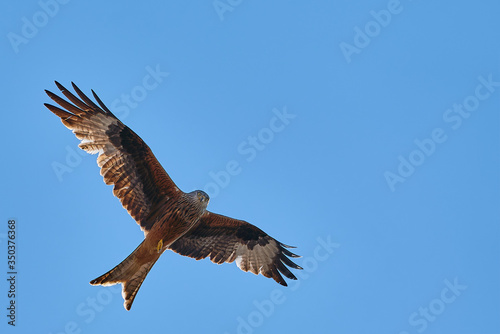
<point x="170" y="218"/>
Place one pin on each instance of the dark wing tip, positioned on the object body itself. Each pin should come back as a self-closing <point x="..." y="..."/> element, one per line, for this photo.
<point x="285" y="251"/>
<point x="80" y="93"/>
<point x="63" y="114"/>
<point x="75" y="87"/>
<point x="290" y="263"/>
<point x="50" y="94"/>
<point x="281" y="265"/>
<point x="283" y="262"/>
<point x="103" y="106"/>
<point x="283" y="282"/>
<point x="61" y="87"/>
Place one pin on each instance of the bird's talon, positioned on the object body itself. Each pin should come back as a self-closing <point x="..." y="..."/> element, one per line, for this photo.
<point x="159" y="246"/>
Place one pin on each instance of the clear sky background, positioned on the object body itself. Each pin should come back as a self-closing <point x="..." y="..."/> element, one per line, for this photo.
<point x="382" y="166"/>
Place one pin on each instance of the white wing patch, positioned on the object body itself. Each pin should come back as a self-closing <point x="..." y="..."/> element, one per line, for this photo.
<point x="92" y="140"/>
<point x="258" y="260"/>
<point x="238" y="260"/>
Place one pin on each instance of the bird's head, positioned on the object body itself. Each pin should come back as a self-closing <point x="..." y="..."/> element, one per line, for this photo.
<point x="201" y="197"/>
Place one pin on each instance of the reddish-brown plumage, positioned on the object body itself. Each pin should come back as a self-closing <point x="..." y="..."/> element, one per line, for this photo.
<point x="169" y="218"/>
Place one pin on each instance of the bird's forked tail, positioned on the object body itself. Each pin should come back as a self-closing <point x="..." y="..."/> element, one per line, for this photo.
<point x="131" y="272"/>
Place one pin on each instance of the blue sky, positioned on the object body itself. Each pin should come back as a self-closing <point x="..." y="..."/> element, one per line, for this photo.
<point x="365" y="133"/>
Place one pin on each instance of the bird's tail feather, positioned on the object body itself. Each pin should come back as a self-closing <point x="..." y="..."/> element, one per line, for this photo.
<point x="131" y="272"/>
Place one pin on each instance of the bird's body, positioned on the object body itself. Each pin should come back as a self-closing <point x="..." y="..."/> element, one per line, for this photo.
<point x="169" y="217"/>
<point x="169" y="224"/>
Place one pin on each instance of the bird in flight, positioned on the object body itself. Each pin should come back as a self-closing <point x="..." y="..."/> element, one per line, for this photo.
<point x="170" y="218"/>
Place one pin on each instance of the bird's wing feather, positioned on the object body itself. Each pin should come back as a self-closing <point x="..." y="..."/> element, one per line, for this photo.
<point x="126" y="162"/>
<point x="225" y="239"/>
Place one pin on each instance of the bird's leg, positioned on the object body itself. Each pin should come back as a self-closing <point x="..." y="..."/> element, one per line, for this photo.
<point x="159" y="246"/>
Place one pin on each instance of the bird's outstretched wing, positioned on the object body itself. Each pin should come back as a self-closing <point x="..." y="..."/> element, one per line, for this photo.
<point x="126" y="162"/>
<point x="226" y="239"/>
